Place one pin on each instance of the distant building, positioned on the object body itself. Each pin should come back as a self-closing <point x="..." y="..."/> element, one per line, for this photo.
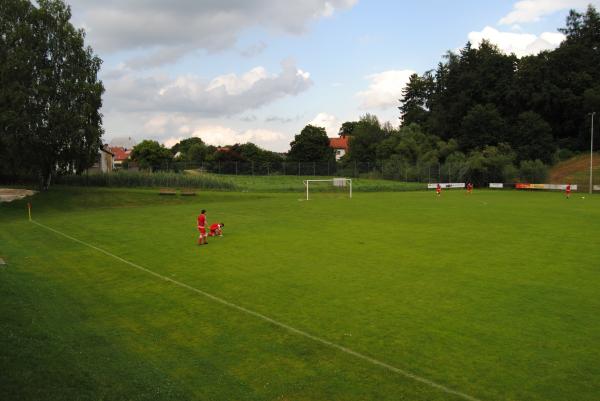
<point x="121" y="154"/>
<point x="104" y="161"/>
<point x="123" y="142"/>
<point x="340" y="145"/>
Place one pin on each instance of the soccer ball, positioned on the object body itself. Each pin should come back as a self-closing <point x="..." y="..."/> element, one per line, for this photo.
<point x="583" y="197"/>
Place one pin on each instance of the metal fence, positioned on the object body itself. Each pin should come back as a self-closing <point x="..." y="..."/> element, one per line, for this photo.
<point x="388" y="169"/>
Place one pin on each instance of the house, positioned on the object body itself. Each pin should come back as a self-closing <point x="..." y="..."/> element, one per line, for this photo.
<point x="104" y="161"/>
<point x="340" y="145"/>
<point x="121" y="154"/>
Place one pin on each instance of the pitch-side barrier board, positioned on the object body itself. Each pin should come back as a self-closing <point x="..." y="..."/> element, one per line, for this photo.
<point x="556" y="187"/>
<point x="448" y="185"/>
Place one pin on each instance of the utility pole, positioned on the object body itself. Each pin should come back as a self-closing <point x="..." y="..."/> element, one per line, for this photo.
<point x="592" y="153"/>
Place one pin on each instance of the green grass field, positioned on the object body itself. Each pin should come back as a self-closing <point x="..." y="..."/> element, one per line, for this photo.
<point x="494" y="296"/>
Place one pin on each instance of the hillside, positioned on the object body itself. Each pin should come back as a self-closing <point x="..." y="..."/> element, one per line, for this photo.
<point x="576" y="170"/>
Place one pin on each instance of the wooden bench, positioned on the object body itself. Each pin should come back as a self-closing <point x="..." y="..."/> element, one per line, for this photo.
<point x="188" y="192"/>
<point x="167" y="191"/>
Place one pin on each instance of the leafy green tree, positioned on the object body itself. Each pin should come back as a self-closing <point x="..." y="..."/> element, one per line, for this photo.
<point x="151" y="155"/>
<point x="196" y="153"/>
<point x="347" y="128"/>
<point x="533" y="171"/>
<point x="482" y="125"/>
<point x="532" y="138"/>
<point x="185" y="144"/>
<point x="311" y="145"/>
<point x="50" y="95"/>
<point x="365" y="138"/>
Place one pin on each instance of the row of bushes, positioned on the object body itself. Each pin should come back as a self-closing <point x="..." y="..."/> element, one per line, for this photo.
<point x="147" y="179"/>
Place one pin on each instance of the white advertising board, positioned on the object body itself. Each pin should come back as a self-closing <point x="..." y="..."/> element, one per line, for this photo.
<point x="496" y="185"/>
<point x="447" y="185"/>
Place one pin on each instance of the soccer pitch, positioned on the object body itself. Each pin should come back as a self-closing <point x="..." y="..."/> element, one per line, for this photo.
<point x="386" y="296"/>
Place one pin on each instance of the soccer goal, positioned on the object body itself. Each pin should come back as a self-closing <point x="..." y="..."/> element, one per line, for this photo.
<point x="328" y="185"/>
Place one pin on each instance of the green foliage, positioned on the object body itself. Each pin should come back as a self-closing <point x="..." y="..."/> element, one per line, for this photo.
<point x="50" y="95"/>
<point x="311" y="145"/>
<point x="196" y="153"/>
<point x="482" y="125"/>
<point x="532" y="137"/>
<point x="537" y="103"/>
<point x="132" y="179"/>
<point x="184" y="145"/>
<point x="365" y="138"/>
<point x="533" y="171"/>
<point x="151" y="155"/>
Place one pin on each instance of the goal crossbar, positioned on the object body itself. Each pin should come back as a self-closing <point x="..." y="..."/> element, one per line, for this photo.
<point x="339" y="182"/>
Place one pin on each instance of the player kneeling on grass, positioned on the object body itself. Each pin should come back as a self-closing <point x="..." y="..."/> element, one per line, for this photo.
<point x="202" y="228"/>
<point x="216" y="229"/>
<point x="469" y="188"/>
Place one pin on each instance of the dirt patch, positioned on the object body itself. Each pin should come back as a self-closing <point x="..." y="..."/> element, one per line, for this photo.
<point x="9" y="194"/>
<point x="569" y="169"/>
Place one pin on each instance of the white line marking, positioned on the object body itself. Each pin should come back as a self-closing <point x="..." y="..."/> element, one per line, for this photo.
<point x="346" y="350"/>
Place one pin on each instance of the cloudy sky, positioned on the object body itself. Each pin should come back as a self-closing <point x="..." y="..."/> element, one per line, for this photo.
<point x="259" y="70"/>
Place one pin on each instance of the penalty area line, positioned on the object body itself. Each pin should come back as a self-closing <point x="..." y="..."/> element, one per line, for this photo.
<point x="258" y="315"/>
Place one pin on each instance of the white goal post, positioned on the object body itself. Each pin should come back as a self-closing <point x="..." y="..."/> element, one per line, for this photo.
<point x="336" y="182"/>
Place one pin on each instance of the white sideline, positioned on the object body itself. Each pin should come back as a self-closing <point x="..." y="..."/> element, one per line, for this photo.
<point x="274" y="322"/>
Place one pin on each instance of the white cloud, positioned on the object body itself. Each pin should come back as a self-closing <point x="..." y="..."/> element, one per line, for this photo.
<point x="223" y="95"/>
<point x="170" y="128"/>
<point x="533" y="10"/>
<point x="385" y="89"/>
<point x="327" y="121"/>
<point x="218" y="135"/>
<point x="521" y="44"/>
<point x="115" y="25"/>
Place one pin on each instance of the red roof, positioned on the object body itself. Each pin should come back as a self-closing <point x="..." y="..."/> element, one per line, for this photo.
<point x="339" y="143"/>
<point x="120" y="153"/>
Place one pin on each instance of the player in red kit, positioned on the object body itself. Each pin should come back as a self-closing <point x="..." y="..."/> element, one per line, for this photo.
<point x="438" y="190"/>
<point x="469" y="188"/>
<point x="216" y="229"/>
<point x="568" y="190"/>
<point x="202" y="228"/>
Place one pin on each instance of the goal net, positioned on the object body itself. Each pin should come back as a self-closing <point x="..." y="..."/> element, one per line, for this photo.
<point x="342" y="186"/>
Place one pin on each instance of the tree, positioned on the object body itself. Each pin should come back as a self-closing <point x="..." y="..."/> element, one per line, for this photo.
<point x="532" y="138"/>
<point x="416" y="97"/>
<point x="196" y="153"/>
<point x="365" y="138"/>
<point x="50" y="95"/>
<point x="151" y="155"/>
<point x="185" y="144"/>
<point x="311" y="145"/>
<point x="347" y="128"/>
<point x="483" y="125"/>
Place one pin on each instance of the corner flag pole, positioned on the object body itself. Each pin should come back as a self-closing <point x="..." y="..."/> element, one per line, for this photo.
<point x="29" y="209"/>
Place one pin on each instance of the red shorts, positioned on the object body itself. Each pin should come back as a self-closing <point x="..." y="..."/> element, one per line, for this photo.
<point x="202" y="231"/>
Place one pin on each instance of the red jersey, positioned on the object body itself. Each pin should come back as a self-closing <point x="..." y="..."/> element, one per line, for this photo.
<point x="214" y="227"/>
<point x="201" y="220"/>
<point x="569" y="188"/>
<point x="439" y="188"/>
